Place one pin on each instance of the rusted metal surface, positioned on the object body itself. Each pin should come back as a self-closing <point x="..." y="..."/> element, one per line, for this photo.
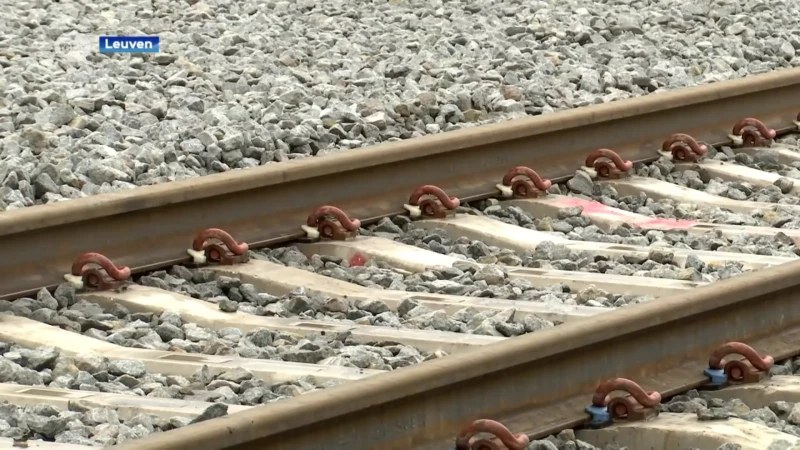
<point x="602" y="396"/>
<point x="466" y="441"/>
<point x="684" y="148"/>
<point x="219" y="247"/>
<point x="106" y="276"/>
<point x="752" y="369"/>
<point x="340" y="229"/>
<point x="533" y="187"/>
<point x="536" y="384"/>
<point x="149" y="227"/>
<point x="438" y="206"/>
<point x="638" y="405"/>
<point x="608" y="164"/>
<point x="753" y="132"/>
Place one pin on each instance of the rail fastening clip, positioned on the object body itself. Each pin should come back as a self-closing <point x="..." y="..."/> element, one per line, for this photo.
<point x="107" y="276"/>
<point x="683" y="148"/>
<point x="436" y="203"/>
<point x="217" y="246"/>
<point x="752" y="370"/>
<point x="330" y="222"/>
<point x="607" y="164"/>
<point x="638" y="405"/>
<point x="750" y="132"/>
<point x="465" y="439"/>
<point x="531" y="186"/>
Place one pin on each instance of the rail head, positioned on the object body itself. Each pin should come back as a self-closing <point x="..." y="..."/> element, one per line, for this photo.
<point x="407" y="407"/>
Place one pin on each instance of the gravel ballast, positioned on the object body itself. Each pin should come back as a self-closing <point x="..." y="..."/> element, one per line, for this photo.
<point x="779" y="192"/>
<point x="582" y="185"/>
<point x="101" y="426"/>
<point x="169" y="332"/>
<point x="242" y="84"/>
<point x="231" y="295"/>
<point x="465" y="277"/>
<point x="570" y="224"/>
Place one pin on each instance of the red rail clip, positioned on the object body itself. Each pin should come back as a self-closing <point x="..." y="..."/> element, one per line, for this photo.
<point x="532" y="187"/>
<point x="751" y="132"/>
<point x="752" y="370"/>
<point x="217" y="246"/>
<point x="465" y="440"/>
<point x="683" y="148"/>
<point x="430" y="207"/>
<point x="321" y="224"/>
<point x="638" y="405"/>
<point x="92" y="278"/>
<point x="608" y="164"/>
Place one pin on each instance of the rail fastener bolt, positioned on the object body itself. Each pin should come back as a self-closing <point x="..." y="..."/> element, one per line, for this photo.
<point x="608" y="164"/>
<point x="108" y="276"/>
<point x="752" y="369"/>
<point x="436" y="203"/>
<point x="466" y="441"/>
<point x="217" y="246"/>
<point x="330" y="222"/>
<point x="683" y="148"/>
<point x="637" y="406"/>
<point x="750" y="132"/>
<point x="528" y="185"/>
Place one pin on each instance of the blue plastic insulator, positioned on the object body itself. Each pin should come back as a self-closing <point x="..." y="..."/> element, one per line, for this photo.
<point x="600" y="415"/>
<point x="717" y="376"/>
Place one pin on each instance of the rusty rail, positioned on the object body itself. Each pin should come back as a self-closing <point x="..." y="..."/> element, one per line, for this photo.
<point x="147" y="228"/>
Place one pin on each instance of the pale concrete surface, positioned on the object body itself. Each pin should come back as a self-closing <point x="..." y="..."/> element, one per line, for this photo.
<point x="147" y="299"/>
<point x="277" y="279"/>
<point x="607" y="217"/>
<point x="734" y="172"/>
<point x="127" y="406"/>
<point x="30" y="333"/>
<point x="416" y="259"/>
<point x="520" y="239"/>
<point x="759" y="395"/>
<point x="683" y="431"/>
<point x="659" y="190"/>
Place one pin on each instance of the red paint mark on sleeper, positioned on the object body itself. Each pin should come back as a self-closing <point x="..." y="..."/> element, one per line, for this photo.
<point x="358" y="260"/>
<point x="592" y="207"/>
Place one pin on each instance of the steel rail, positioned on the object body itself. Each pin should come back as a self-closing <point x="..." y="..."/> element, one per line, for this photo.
<point x="152" y="226"/>
<point x="537" y="383"/>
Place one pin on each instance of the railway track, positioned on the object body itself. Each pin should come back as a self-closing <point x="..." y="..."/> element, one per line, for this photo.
<point x="669" y="217"/>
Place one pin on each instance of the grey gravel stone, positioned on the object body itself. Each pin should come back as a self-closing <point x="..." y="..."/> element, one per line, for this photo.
<point x="781" y="415"/>
<point x="226" y="92"/>
<point x="658" y="263"/>
<point x="87" y="424"/>
<point x="168" y="331"/>
<point x="569" y="223"/>
<point x="778" y="193"/>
